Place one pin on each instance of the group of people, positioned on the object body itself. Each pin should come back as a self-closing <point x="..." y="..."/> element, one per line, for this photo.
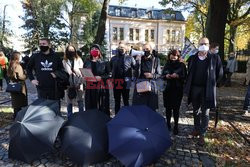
<point x="197" y="80"/>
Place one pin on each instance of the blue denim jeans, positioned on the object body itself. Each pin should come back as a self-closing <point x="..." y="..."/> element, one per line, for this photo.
<point x="247" y="99"/>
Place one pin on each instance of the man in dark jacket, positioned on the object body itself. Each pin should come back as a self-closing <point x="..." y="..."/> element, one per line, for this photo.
<point x="45" y="64"/>
<point x="121" y="67"/>
<point x="204" y="70"/>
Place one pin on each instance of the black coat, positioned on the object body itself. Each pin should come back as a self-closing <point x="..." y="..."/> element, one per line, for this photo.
<point x="126" y="67"/>
<point x="173" y="92"/>
<point x="97" y="98"/>
<point x="214" y="74"/>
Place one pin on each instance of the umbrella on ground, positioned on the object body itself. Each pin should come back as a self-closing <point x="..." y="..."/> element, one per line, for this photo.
<point x="35" y="130"/>
<point x="85" y="137"/>
<point x="138" y="136"/>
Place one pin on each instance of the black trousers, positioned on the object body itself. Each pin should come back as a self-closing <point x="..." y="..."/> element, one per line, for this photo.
<point x="175" y="112"/>
<point x="124" y="92"/>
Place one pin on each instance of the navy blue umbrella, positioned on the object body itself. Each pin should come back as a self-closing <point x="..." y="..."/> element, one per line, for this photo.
<point x="138" y="136"/>
<point x="85" y="137"/>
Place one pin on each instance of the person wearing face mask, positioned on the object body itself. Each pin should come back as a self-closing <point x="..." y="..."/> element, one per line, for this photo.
<point x="204" y="70"/>
<point x="96" y="94"/>
<point x="122" y="66"/>
<point x="147" y="70"/>
<point x="44" y="64"/>
<point x="174" y="72"/>
<point x="232" y="66"/>
<point x="72" y="64"/>
<point x="16" y="74"/>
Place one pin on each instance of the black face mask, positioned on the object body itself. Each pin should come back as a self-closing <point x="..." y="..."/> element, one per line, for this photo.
<point x="121" y="51"/>
<point x="70" y="54"/>
<point x="146" y="53"/>
<point x="44" y="48"/>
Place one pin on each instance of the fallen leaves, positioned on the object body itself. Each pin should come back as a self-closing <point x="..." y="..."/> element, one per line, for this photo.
<point x="229" y="148"/>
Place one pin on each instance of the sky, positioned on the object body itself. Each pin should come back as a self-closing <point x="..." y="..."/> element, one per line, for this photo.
<point x="14" y="10"/>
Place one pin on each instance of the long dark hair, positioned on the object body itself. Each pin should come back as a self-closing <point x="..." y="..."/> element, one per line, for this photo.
<point x="175" y="53"/>
<point x="66" y="54"/>
<point x="14" y="62"/>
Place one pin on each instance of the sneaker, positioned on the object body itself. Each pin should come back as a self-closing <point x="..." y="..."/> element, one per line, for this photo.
<point x="195" y="133"/>
<point x="201" y="141"/>
<point x="246" y="114"/>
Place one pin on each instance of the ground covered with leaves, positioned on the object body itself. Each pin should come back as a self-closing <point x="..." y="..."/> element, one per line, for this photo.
<point x="226" y="145"/>
<point x="5" y="116"/>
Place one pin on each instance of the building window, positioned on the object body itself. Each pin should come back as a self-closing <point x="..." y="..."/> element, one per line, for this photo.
<point x="173" y="16"/>
<point x="150" y="15"/>
<point x="118" y="12"/>
<point x="131" y="34"/>
<point x="146" y="35"/>
<point x="115" y="33"/>
<point x="137" y="34"/>
<point x="133" y="14"/>
<point x="173" y="35"/>
<point x="178" y="35"/>
<point x="168" y="36"/>
<point x="152" y="36"/>
<point x="121" y="33"/>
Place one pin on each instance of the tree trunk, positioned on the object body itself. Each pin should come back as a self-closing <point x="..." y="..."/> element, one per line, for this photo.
<point x="102" y="24"/>
<point x="216" y="23"/>
<point x="232" y="41"/>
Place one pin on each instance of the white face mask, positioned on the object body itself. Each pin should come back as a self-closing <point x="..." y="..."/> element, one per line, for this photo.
<point x="203" y="48"/>
<point x="216" y="51"/>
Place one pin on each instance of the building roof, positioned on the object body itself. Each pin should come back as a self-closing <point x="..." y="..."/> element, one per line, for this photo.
<point x="142" y="13"/>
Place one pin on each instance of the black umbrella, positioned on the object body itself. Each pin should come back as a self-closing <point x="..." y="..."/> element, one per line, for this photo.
<point x="35" y="130"/>
<point x="85" y="137"/>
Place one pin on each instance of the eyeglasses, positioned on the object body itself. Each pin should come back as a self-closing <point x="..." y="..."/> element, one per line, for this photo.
<point x="203" y="44"/>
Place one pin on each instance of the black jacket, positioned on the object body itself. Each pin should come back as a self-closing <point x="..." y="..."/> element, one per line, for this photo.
<point x="128" y="64"/>
<point x="44" y="65"/>
<point x="214" y="74"/>
<point x="102" y="68"/>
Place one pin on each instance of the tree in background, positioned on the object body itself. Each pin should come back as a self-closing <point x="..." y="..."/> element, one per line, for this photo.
<point x="43" y="19"/>
<point x="238" y="15"/>
<point x="5" y="32"/>
<point x="77" y="13"/>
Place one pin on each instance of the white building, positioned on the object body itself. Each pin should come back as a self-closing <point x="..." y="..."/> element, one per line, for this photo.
<point x="137" y="25"/>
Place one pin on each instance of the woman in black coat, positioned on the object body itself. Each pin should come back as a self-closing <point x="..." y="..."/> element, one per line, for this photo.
<point x="97" y="92"/>
<point x="174" y="73"/>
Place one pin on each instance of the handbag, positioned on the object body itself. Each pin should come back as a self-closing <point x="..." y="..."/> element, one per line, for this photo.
<point x="72" y="93"/>
<point x="14" y="87"/>
<point x="145" y="86"/>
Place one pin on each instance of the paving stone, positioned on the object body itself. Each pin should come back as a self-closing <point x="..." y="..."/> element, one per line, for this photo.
<point x="195" y="155"/>
<point x="207" y="161"/>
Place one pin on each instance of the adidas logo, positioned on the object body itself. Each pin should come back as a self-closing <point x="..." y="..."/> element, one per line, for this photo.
<point x="46" y="66"/>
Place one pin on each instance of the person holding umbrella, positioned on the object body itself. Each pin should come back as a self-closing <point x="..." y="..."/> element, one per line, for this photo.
<point x="72" y="62"/>
<point x="16" y="74"/>
<point x="147" y="70"/>
<point x="96" y="95"/>
<point x="174" y="73"/>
